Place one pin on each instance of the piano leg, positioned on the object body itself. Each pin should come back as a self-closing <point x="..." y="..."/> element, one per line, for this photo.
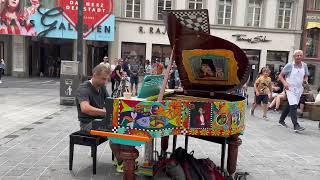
<point x="174" y="143"/>
<point x="164" y="146"/>
<point x="223" y="152"/>
<point x="186" y="142"/>
<point x="128" y="155"/>
<point x="232" y="154"/>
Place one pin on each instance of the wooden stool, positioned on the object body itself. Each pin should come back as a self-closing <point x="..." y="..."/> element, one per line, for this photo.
<point x="85" y="139"/>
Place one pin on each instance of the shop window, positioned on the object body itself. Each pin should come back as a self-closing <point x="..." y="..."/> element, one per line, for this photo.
<point x="254" y="61"/>
<point x="161" y="52"/>
<point x="313" y="5"/>
<point x="312" y="73"/>
<point x="130" y="51"/>
<point x="254" y="13"/>
<point x="285" y="14"/>
<point x="225" y="12"/>
<point x="312" y="41"/>
<point x="163" y="5"/>
<point x="133" y="8"/>
<point x="195" y="4"/>
<point x="276" y="60"/>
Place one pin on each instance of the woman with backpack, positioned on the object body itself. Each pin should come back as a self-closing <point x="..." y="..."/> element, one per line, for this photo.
<point x="116" y="75"/>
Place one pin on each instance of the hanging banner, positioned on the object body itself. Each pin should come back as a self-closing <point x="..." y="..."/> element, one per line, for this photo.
<point x="57" y="18"/>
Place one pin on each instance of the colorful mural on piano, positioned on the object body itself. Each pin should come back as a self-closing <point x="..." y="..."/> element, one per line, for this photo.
<point x="178" y="117"/>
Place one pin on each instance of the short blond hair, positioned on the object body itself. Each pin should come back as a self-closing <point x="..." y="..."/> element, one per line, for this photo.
<point x="101" y="68"/>
<point x="297" y="51"/>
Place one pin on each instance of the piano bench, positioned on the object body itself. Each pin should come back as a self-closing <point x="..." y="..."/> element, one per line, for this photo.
<point x="85" y="139"/>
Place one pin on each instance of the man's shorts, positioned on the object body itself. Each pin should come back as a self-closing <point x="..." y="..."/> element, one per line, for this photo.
<point x="134" y="80"/>
<point x="86" y="126"/>
<point x="262" y="98"/>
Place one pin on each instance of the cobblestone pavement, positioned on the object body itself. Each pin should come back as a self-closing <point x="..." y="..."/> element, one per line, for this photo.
<point x="34" y="141"/>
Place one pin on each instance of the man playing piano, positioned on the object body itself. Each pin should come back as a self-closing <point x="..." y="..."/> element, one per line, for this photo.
<point x="90" y="97"/>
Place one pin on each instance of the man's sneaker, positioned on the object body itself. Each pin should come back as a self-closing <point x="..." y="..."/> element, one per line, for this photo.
<point x="0" y="81"/>
<point x="251" y="112"/>
<point x="299" y="128"/>
<point x="114" y="162"/>
<point x="283" y="124"/>
<point x="119" y="168"/>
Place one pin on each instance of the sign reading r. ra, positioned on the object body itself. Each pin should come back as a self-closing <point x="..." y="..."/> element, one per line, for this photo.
<point x="152" y="30"/>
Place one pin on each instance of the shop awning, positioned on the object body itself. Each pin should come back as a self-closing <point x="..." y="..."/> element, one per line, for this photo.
<point x="313" y="25"/>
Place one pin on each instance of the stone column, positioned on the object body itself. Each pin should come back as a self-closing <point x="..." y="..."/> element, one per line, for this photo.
<point x="19" y="56"/>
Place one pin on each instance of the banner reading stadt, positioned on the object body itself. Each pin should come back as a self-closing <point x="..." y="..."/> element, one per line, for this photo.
<point x="57" y="18"/>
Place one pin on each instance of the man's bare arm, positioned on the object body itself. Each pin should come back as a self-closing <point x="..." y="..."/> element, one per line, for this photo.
<point x="90" y="110"/>
<point x="284" y="82"/>
<point x="305" y="78"/>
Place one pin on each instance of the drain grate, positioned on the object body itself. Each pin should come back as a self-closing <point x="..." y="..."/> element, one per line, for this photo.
<point x="38" y="122"/>
<point x="11" y="136"/>
<point x="26" y="129"/>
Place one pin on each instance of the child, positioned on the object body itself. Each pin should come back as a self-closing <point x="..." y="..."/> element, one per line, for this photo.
<point x="263" y="89"/>
<point x="15" y="17"/>
<point x="126" y="81"/>
<point x="255" y="96"/>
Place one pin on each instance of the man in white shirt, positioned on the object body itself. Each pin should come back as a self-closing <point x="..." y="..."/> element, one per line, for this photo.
<point x="293" y="75"/>
<point x="106" y="61"/>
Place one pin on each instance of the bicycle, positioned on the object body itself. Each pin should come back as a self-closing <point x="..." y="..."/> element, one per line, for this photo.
<point x="121" y="87"/>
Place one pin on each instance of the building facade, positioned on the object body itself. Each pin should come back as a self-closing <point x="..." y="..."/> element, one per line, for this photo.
<point x="267" y="30"/>
<point x="310" y="39"/>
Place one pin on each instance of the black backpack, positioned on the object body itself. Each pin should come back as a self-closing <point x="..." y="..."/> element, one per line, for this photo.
<point x="189" y="164"/>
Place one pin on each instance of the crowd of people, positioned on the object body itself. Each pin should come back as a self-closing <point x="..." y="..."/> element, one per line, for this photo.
<point x="125" y="74"/>
<point x="290" y="88"/>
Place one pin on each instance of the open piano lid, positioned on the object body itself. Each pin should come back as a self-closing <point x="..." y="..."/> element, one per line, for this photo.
<point x="205" y="63"/>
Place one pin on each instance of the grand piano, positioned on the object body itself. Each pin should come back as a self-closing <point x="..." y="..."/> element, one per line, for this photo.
<point x="209" y="67"/>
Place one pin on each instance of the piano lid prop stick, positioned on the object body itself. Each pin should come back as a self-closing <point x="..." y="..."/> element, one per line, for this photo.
<point x="166" y="77"/>
<point x="148" y="156"/>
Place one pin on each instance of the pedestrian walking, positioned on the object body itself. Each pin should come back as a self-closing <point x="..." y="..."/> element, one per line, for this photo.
<point x="113" y="75"/>
<point x="106" y="61"/>
<point x="148" y="68"/>
<point x="2" y="67"/>
<point x="293" y="75"/>
<point x="263" y="89"/>
<point x="117" y="74"/>
<point x="134" y="75"/>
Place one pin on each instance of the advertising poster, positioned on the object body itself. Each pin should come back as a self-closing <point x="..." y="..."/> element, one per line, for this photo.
<point x="57" y="18"/>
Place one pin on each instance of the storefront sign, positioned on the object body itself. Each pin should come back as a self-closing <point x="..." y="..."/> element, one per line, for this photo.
<point x="243" y="37"/>
<point x="59" y="21"/>
<point x="152" y="30"/>
<point x="312" y="21"/>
